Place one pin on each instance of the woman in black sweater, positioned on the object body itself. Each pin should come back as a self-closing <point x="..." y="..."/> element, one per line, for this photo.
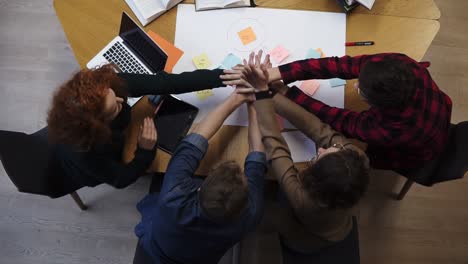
<point x="89" y="114"/>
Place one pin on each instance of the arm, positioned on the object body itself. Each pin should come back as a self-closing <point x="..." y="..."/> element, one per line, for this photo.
<point x="345" y="67"/>
<point x="118" y="174"/>
<point x="322" y="134"/>
<point x="278" y="153"/>
<point x="254" y="169"/>
<point x="184" y="162"/>
<point x="121" y="175"/>
<point x="190" y="152"/>
<point x="167" y="83"/>
<point x="255" y="166"/>
<point x="213" y="121"/>
<point x="365" y="126"/>
<point x="255" y="138"/>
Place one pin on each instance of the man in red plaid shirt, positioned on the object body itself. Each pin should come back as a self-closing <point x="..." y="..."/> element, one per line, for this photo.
<point x="408" y="120"/>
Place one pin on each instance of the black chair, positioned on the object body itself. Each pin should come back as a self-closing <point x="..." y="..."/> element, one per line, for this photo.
<point x="31" y="164"/>
<point x="450" y="165"/>
<point x="345" y="251"/>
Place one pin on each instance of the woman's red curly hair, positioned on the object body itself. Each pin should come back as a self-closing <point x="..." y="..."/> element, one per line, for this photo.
<point x="76" y="116"/>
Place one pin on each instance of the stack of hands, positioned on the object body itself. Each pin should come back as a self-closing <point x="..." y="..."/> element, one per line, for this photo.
<point x="250" y="77"/>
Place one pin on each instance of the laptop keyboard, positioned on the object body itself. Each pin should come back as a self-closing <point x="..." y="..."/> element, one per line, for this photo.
<point x="126" y="62"/>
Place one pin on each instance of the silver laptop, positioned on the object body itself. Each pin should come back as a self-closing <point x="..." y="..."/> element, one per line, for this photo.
<point x="132" y="51"/>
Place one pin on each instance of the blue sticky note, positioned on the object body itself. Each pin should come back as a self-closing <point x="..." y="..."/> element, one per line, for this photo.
<point x="313" y="54"/>
<point x="337" y="82"/>
<point x="230" y="61"/>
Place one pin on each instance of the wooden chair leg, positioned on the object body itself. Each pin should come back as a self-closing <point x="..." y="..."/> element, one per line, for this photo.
<point x="405" y="189"/>
<point x="78" y="201"/>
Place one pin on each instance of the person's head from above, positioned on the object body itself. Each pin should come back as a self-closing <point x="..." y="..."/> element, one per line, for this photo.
<point x="388" y="83"/>
<point x="84" y="106"/>
<point x="224" y="193"/>
<point x="337" y="177"/>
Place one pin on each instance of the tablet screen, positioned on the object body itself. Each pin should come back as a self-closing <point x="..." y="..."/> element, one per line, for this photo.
<point x="173" y="120"/>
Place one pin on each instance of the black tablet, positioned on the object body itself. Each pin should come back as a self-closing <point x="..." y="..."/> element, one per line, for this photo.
<point x="173" y="120"/>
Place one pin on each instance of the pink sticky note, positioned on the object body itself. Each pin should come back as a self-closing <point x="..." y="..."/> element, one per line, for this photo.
<point x="279" y="53"/>
<point x="310" y="87"/>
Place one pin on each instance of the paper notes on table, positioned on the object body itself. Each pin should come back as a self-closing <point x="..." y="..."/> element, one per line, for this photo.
<point x="322" y="54"/>
<point x="302" y="148"/>
<point x="247" y="36"/>
<point x="337" y="82"/>
<point x="279" y="53"/>
<point x="313" y="54"/>
<point x="202" y="61"/>
<point x="230" y="61"/>
<point x="203" y="94"/>
<point x="173" y="53"/>
<point x="310" y="87"/>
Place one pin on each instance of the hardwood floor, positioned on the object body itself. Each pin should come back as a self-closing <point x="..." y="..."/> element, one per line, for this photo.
<point x="429" y="226"/>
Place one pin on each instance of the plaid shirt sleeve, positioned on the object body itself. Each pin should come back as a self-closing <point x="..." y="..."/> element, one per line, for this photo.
<point x="363" y="125"/>
<point x="345" y="67"/>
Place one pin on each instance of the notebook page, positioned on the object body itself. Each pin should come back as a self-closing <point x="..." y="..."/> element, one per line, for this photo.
<point x="238" y="3"/>
<point x="202" y="4"/>
<point x="149" y="7"/>
<point x="168" y="4"/>
<point x="367" y="3"/>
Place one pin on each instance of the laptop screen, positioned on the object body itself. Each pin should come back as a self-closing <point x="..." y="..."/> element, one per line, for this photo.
<point x="143" y="46"/>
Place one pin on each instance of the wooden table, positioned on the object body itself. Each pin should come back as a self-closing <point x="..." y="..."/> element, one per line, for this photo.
<point x="396" y="25"/>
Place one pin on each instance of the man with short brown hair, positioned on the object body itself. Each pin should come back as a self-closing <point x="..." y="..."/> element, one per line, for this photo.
<point x="196" y="221"/>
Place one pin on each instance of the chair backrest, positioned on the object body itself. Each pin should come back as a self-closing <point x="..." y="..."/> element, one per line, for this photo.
<point x="345" y="251"/>
<point x="454" y="162"/>
<point x="29" y="162"/>
<point x="450" y="165"/>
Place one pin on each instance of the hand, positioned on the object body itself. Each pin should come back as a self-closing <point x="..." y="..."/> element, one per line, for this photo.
<point x="278" y="87"/>
<point x="239" y="96"/>
<point x="148" y="134"/>
<point x="253" y="71"/>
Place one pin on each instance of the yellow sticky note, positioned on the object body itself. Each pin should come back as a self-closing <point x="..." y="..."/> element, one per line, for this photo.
<point x="202" y="61"/>
<point x="203" y="94"/>
<point x="247" y="35"/>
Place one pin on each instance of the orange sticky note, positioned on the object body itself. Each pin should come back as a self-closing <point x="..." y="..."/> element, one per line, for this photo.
<point x="173" y="53"/>
<point x="310" y="87"/>
<point x="202" y="61"/>
<point x="203" y="94"/>
<point x="247" y="35"/>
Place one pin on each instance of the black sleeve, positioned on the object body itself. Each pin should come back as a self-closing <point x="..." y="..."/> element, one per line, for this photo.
<point x="121" y="175"/>
<point x="168" y="83"/>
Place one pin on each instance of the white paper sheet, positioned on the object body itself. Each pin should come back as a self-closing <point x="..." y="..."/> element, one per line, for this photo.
<point x="215" y="33"/>
<point x="302" y="148"/>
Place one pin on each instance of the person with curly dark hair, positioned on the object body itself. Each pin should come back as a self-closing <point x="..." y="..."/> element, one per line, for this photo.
<point x="89" y="114"/>
<point x="320" y="198"/>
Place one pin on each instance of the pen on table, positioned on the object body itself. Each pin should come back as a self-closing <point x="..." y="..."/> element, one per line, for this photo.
<point x="360" y="43"/>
